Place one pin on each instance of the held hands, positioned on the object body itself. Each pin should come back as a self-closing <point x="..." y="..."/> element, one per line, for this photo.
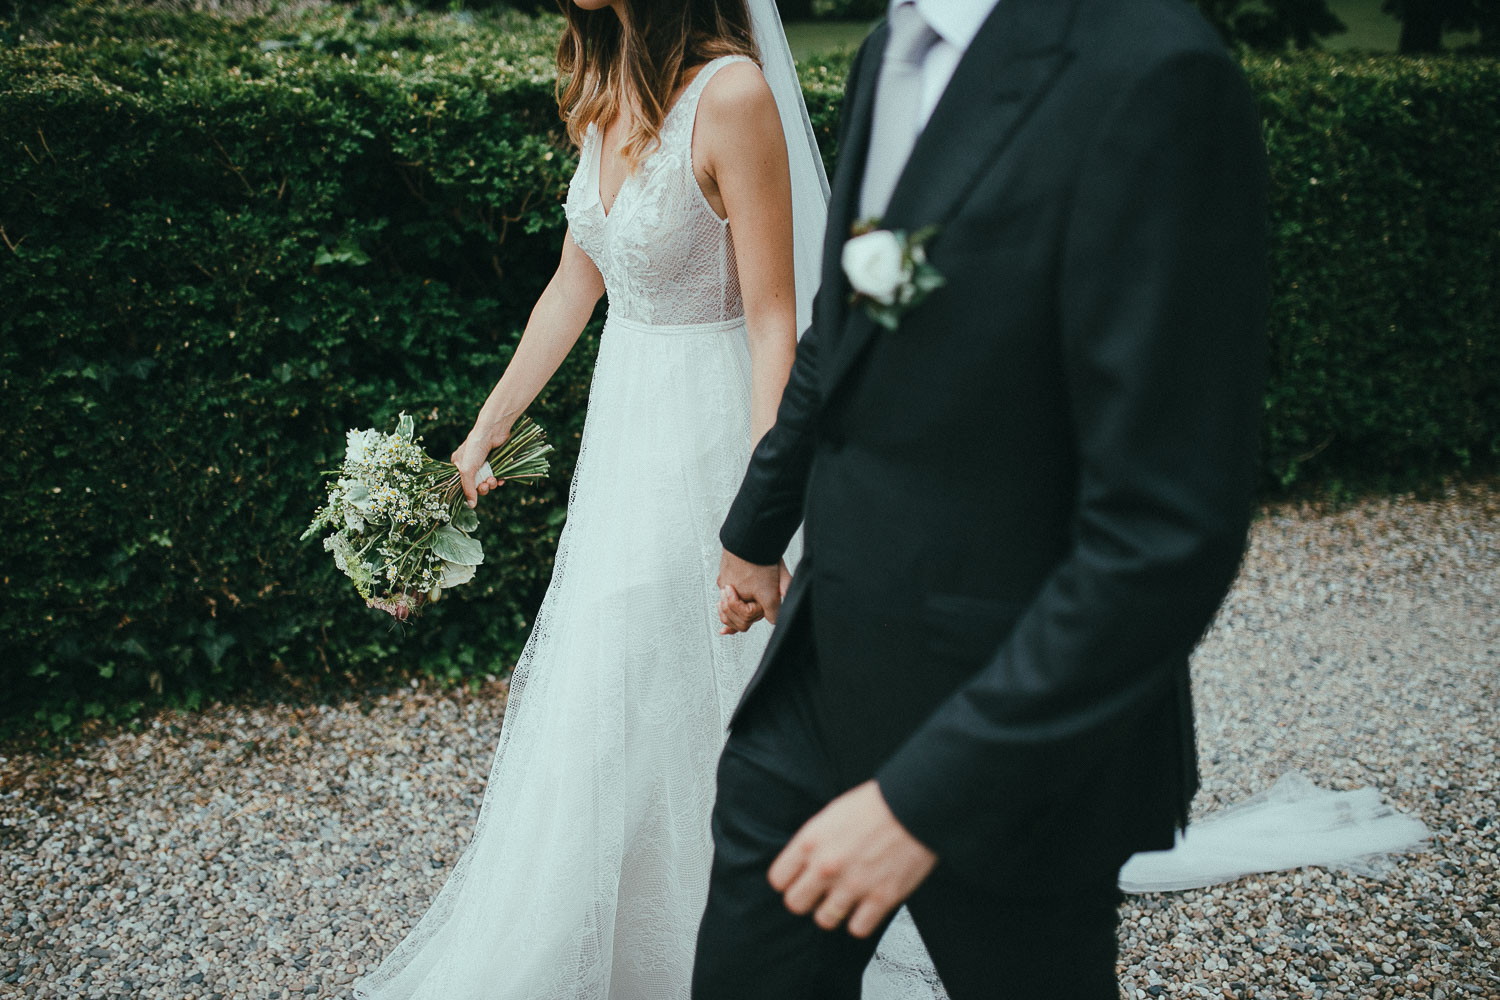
<point x="749" y="592"/>
<point x="470" y="458"/>
<point x="852" y="861"/>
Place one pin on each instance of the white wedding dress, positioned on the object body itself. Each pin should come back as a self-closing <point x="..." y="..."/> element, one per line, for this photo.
<point x="587" y="870"/>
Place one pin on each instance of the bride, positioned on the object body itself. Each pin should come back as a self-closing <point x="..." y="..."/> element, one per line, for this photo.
<point x="587" y="870"/>
<point x="697" y="208"/>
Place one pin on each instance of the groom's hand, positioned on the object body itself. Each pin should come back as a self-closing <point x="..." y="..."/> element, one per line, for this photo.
<point x="852" y="861"/>
<point x="750" y="593"/>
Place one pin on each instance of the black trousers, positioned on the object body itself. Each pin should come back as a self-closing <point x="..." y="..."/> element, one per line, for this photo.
<point x="773" y="776"/>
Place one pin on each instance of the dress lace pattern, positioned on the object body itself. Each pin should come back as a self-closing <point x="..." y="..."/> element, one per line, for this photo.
<point x="587" y="869"/>
<point x="666" y="257"/>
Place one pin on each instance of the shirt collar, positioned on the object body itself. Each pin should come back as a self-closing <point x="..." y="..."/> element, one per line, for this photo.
<point x="955" y="21"/>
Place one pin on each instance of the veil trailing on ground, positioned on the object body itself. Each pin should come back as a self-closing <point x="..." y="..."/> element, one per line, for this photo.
<point x="1291" y="824"/>
<point x="809" y="180"/>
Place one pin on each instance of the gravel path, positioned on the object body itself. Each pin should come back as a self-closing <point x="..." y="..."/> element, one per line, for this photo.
<point x="277" y="853"/>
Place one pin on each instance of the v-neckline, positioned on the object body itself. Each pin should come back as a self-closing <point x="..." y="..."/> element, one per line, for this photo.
<point x="599" y="150"/>
<point x="606" y="210"/>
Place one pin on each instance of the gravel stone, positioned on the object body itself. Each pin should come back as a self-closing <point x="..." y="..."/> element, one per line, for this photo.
<point x="261" y="852"/>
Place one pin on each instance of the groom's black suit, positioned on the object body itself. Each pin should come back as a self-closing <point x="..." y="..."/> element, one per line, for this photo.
<point x="1021" y="508"/>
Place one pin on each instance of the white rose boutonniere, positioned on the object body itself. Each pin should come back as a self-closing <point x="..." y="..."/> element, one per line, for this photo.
<point x="889" y="271"/>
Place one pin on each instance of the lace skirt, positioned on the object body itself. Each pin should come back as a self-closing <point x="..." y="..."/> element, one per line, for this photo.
<point x="586" y="873"/>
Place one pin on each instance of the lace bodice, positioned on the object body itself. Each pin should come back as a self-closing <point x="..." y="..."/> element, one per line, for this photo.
<point x="666" y="256"/>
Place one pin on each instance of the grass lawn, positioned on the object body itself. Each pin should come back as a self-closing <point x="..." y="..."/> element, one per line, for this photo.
<point x="1370" y="30"/>
<point x="808" y="38"/>
<point x="1373" y="30"/>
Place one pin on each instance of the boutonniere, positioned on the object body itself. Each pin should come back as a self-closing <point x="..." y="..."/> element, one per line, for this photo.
<point x="889" y="271"/>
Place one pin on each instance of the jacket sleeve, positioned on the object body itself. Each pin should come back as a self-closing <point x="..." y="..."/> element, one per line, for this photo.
<point x="1162" y="302"/>
<point x="768" y="508"/>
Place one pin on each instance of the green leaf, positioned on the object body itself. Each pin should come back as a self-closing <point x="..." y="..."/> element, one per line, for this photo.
<point x="923" y="235"/>
<point x="465" y="519"/>
<point x="214" y="647"/>
<point x="455" y="574"/>
<point x="358" y="495"/>
<point x="887" y="317"/>
<point x="452" y="545"/>
<point x="927" y="279"/>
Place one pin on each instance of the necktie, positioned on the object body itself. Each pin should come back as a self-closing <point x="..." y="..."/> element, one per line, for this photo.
<point x="898" y="102"/>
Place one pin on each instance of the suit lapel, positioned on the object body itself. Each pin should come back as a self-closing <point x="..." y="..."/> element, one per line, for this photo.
<point x="1006" y="70"/>
<point x="843" y="199"/>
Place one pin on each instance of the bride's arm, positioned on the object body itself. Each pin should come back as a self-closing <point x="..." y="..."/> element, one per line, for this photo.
<point x="739" y="145"/>
<point x="560" y="315"/>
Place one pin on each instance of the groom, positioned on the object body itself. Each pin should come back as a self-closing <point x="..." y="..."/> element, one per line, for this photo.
<point x="1022" y="505"/>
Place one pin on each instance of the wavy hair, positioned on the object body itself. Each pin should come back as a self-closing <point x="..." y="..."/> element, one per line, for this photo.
<point x="636" y="61"/>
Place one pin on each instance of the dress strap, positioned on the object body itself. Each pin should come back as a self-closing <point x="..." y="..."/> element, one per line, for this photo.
<point x="689" y="99"/>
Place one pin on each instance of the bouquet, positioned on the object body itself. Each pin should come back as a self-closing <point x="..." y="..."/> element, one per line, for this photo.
<point x="401" y="529"/>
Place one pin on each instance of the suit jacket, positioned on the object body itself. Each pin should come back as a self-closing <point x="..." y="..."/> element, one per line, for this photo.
<point x="1023" y="507"/>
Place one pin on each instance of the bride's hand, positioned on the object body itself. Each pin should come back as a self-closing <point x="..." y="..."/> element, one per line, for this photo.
<point x="470" y="458"/>
<point x="738" y="612"/>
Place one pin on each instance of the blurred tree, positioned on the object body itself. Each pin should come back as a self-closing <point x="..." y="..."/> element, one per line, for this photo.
<point x="1423" y="23"/>
<point x="795" y="10"/>
<point x="1273" y="25"/>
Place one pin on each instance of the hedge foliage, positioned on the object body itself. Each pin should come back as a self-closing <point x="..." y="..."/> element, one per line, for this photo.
<point x="225" y="242"/>
<point x="232" y="242"/>
<point x="1385" y="319"/>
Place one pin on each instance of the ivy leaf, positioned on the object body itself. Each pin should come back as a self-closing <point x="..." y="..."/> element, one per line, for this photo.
<point x="214" y="647"/>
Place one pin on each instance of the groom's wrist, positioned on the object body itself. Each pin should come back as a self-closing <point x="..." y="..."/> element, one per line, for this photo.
<point x="742" y="548"/>
<point x="919" y="806"/>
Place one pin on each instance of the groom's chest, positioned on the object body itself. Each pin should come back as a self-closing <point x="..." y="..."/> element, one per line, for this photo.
<point x="998" y="251"/>
<point x="983" y="352"/>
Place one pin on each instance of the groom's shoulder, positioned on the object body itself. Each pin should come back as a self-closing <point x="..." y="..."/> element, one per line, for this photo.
<point x="1119" y="45"/>
<point x="1135" y="36"/>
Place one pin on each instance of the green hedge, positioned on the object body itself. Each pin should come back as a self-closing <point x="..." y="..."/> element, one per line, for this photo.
<point x="233" y="242"/>
<point x="1385" y="214"/>
<point x="227" y="242"/>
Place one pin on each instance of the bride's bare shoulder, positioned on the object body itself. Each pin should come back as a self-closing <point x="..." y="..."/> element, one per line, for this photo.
<point x="737" y="105"/>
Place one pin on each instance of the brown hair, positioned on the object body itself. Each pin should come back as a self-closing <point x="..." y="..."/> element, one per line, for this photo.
<point x="636" y="61"/>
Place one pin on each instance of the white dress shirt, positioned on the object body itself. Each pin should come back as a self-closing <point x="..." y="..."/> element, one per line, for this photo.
<point x="956" y="22"/>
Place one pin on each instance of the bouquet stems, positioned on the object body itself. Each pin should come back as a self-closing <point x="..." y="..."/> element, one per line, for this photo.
<point x="522" y="456"/>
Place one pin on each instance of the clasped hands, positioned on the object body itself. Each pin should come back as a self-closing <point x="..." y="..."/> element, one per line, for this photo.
<point x="748" y="593"/>
<point x="853" y="861"/>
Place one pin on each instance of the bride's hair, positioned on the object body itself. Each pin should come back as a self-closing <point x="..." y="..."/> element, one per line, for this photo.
<point x="607" y="64"/>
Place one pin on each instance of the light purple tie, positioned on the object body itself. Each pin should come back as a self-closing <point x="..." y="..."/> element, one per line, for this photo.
<point x="898" y="105"/>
